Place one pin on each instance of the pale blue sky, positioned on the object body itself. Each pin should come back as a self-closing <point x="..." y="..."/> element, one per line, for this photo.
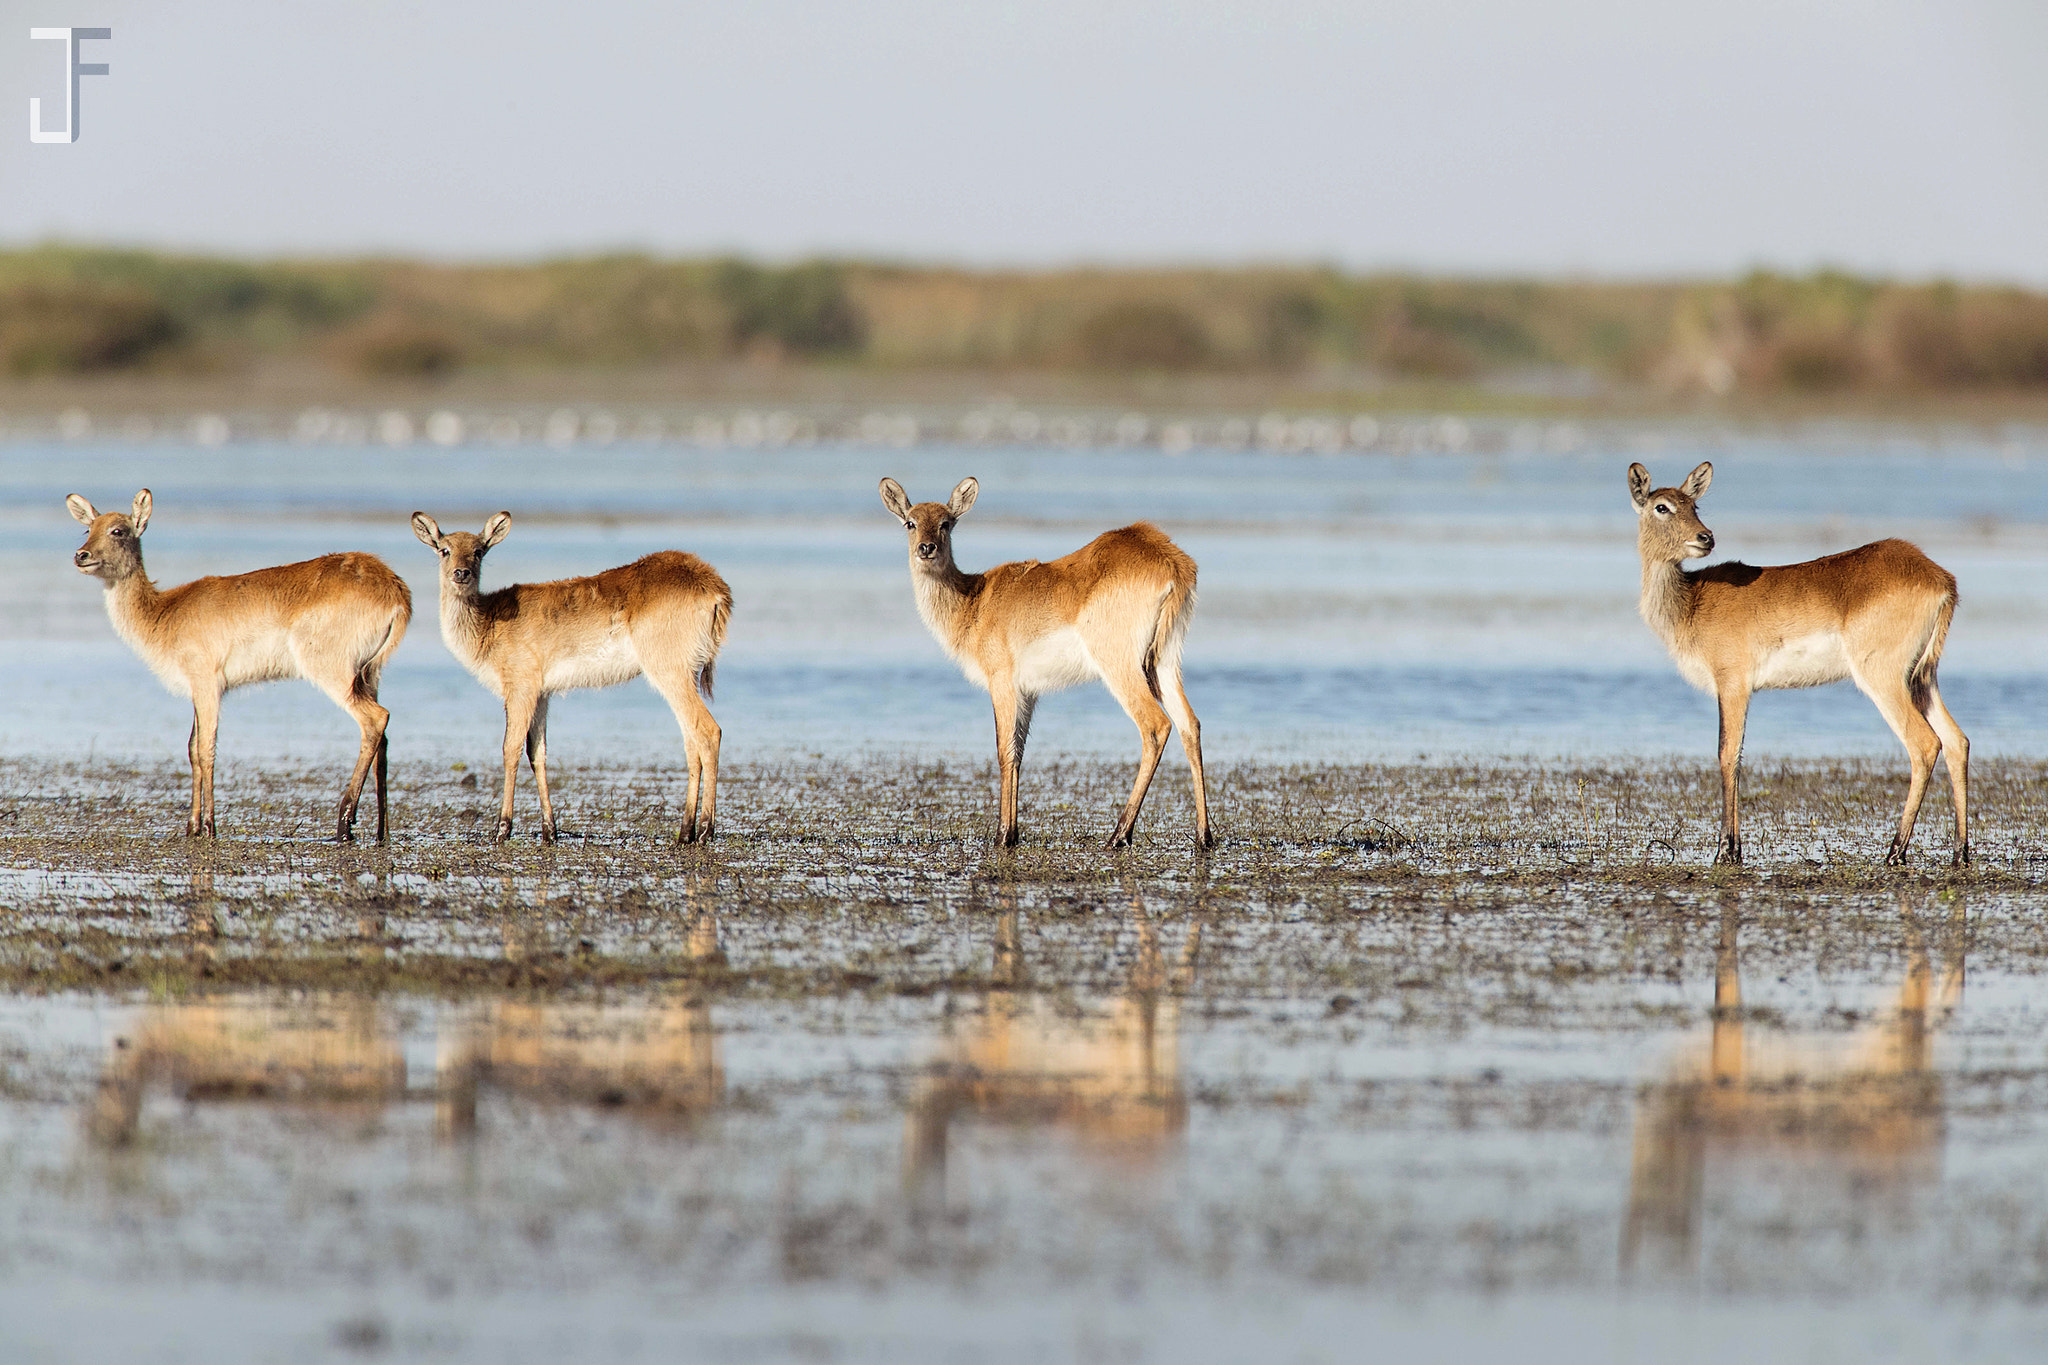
<point x="1593" y="136"/>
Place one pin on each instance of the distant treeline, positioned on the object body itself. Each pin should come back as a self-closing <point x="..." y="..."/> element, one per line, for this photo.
<point x="68" y="310"/>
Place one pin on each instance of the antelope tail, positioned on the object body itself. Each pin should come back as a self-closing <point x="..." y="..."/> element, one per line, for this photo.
<point x="721" y="612"/>
<point x="1176" y="610"/>
<point x="1922" y="674"/>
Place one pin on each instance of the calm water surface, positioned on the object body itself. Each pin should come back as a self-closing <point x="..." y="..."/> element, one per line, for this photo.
<point x="1352" y="607"/>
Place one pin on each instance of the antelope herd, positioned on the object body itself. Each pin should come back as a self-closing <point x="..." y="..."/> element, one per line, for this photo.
<point x="1116" y="610"/>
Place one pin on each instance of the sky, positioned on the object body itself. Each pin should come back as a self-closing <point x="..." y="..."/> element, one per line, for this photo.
<point x="1613" y="138"/>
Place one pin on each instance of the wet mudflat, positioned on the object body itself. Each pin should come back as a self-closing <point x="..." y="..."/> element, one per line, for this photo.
<point x="1477" y="1058"/>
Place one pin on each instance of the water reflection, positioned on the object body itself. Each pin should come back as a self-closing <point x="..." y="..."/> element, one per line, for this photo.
<point x="1111" y="1080"/>
<point x="655" y="1058"/>
<point x="1864" y="1116"/>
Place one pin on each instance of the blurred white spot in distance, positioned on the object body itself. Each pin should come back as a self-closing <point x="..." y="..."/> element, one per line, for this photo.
<point x="1452" y="433"/>
<point x="904" y="430"/>
<point x="1272" y="429"/>
<point x="561" y="428"/>
<point x="1177" y="438"/>
<point x="1131" y="428"/>
<point x="1365" y="432"/>
<point x="1025" y="426"/>
<point x="74" y="424"/>
<point x="977" y="427"/>
<point x="444" y="428"/>
<point x="210" y="429"/>
<point x="708" y="431"/>
<point x="394" y="428"/>
<point x="314" y="424"/>
<point x="602" y="429"/>
<point x="747" y="430"/>
<point x="1234" y="434"/>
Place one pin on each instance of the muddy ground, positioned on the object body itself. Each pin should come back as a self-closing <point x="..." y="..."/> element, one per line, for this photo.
<point x="830" y="876"/>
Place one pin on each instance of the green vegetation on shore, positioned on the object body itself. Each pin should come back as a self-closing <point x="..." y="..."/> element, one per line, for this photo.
<point x="77" y="311"/>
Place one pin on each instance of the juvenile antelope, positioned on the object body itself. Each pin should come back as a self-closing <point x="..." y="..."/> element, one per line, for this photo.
<point x="1117" y="609"/>
<point x="332" y="621"/>
<point x="1878" y="615"/>
<point x="663" y="615"/>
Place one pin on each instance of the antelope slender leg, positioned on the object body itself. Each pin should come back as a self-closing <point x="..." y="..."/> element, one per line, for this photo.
<point x="1011" y="710"/>
<point x="205" y="745"/>
<point x="1176" y="699"/>
<point x="519" y="710"/>
<point x="1955" y="752"/>
<point x="1134" y="693"/>
<point x="1884" y="682"/>
<point x="537" y="756"/>
<point x="1734" y="699"/>
<point x="192" y="825"/>
<point x="383" y="811"/>
<point x="371" y="719"/>
<point x="701" y="738"/>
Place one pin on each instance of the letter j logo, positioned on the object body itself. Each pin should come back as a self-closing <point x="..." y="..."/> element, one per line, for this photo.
<point x="71" y="38"/>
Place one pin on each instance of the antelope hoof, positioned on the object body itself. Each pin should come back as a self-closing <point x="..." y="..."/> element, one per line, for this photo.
<point x="1205" y="840"/>
<point x="1007" y="838"/>
<point x="547" y="834"/>
<point x="1120" y="839"/>
<point x="1731" y="852"/>
<point x="504" y="831"/>
<point x="1962" y="858"/>
<point x="1895" y="856"/>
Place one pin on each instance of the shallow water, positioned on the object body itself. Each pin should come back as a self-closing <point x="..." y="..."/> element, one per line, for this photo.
<point x="1360" y="606"/>
<point x="1468" y="1060"/>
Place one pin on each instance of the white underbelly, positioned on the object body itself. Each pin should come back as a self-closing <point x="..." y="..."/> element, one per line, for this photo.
<point x="264" y="659"/>
<point x="611" y="662"/>
<point x="1803" y="661"/>
<point x="1054" y="661"/>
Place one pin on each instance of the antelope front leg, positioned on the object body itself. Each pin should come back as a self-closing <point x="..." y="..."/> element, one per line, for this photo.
<point x="204" y="745"/>
<point x="1008" y="754"/>
<point x="518" y="719"/>
<point x="1734" y="699"/>
<point x="537" y="755"/>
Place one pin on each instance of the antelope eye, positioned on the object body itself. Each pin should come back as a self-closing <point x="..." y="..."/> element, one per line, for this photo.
<point x="910" y="526"/>
<point x="120" y="530"/>
<point x="946" y="526"/>
<point x="444" y="552"/>
<point x="1663" y="510"/>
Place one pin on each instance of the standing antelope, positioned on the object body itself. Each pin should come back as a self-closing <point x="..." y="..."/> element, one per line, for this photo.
<point x="1116" y="609"/>
<point x="662" y="615"/>
<point x="333" y="621"/>
<point x="1877" y="615"/>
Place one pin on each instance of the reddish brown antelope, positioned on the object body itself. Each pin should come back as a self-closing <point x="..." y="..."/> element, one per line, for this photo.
<point x="1877" y="615"/>
<point x="333" y="621"/>
<point x="1117" y="609"/>
<point x="663" y="615"/>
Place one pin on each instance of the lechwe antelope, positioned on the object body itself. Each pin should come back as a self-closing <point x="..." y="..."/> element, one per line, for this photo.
<point x="662" y="615"/>
<point x="1116" y="609"/>
<point x="1878" y="615"/>
<point x="333" y="621"/>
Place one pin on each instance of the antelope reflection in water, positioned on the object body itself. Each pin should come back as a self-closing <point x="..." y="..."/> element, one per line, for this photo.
<point x="1111" y="1080"/>
<point x="1870" y="1111"/>
<point x="343" y="1054"/>
<point x="657" y="1059"/>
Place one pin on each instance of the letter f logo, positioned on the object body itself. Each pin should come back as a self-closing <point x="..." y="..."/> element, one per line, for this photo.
<point x="71" y="38"/>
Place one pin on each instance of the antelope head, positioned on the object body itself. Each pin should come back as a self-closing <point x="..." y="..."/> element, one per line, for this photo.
<point x="930" y="524"/>
<point x="1669" y="528"/>
<point x="113" y="540"/>
<point x="462" y="554"/>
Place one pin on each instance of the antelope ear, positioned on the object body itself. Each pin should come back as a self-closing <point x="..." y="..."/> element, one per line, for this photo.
<point x="963" y="497"/>
<point x="1638" y="485"/>
<point x="139" y="514"/>
<point x="495" y="528"/>
<point x="81" y="510"/>
<point x="895" y="499"/>
<point x="1695" y="485"/>
<point x="427" y="529"/>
